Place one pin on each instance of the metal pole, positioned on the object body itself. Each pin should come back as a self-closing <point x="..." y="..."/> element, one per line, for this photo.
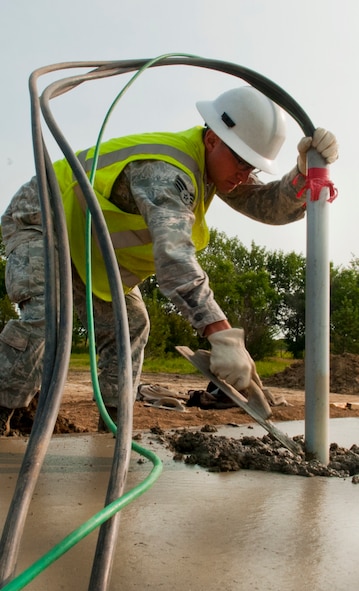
<point x="317" y="322"/>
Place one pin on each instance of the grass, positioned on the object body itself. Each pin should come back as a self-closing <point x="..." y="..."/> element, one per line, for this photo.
<point x="79" y="361"/>
<point x="168" y="364"/>
<point x="268" y="367"/>
<point x="177" y="365"/>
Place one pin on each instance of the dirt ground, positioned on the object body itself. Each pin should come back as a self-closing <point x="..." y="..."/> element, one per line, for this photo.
<point x="78" y="412"/>
<point x="191" y="433"/>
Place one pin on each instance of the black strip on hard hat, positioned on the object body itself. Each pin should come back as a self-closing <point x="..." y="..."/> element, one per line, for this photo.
<point x="227" y="120"/>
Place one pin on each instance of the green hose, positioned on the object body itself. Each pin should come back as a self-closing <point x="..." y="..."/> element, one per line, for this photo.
<point x="97" y="520"/>
<point x="89" y="526"/>
<point x="90" y="320"/>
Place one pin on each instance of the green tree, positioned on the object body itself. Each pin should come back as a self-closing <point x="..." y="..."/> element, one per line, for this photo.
<point x="79" y="334"/>
<point x="257" y="315"/>
<point x="242" y="287"/>
<point x="160" y="328"/>
<point x="259" y="291"/>
<point x="287" y="273"/>
<point x="263" y="292"/>
<point x="344" y="316"/>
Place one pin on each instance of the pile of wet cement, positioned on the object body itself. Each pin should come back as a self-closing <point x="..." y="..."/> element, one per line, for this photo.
<point x="223" y="454"/>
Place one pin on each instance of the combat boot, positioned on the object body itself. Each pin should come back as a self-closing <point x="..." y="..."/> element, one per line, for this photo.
<point x="102" y="427"/>
<point x="5" y="416"/>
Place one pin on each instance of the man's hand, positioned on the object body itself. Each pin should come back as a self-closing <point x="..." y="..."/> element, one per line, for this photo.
<point x="324" y="142"/>
<point x="230" y="360"/>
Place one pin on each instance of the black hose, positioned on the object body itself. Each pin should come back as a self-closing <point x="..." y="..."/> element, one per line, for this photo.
<point x="109" y="530"/>
<point x="58" y="311"/>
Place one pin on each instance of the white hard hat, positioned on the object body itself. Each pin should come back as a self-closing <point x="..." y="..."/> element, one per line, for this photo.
<point x="249" y="123"/>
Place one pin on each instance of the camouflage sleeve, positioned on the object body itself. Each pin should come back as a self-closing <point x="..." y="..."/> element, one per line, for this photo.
<point x="22" y="218"/>
<point x="164" y="196"/>
<point x="274" y="203"/>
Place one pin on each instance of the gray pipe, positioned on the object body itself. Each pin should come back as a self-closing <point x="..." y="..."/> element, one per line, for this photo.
<point x="317" y="323"/>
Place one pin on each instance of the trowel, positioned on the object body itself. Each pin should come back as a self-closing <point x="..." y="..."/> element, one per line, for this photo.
<point x="255" y="406"/>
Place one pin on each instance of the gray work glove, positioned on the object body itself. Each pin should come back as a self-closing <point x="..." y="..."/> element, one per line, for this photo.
<point x="324" y="142"/>
<point x="230" y="360"/>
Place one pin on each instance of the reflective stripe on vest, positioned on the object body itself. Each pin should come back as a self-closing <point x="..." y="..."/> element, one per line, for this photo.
<point x="124" y="239"/>
<point x="141" y="149"/>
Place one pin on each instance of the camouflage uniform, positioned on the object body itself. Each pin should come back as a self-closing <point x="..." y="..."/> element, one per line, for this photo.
<point x="164" y="196"/>
<point x="22" y="341"/>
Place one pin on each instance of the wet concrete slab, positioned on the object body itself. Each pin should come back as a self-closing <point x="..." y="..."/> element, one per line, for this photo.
<point x="192" y="530"/>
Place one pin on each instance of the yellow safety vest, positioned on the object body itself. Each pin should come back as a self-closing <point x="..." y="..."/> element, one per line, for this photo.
<point x="129" y="234"/>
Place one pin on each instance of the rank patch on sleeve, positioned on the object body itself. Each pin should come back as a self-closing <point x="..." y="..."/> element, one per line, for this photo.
<point x="186" y="197"/>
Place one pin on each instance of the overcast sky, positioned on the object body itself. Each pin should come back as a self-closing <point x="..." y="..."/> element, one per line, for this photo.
<point x="309" y="48"/>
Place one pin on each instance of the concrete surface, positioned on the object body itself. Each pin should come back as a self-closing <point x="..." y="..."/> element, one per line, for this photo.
<point x="193" y="530"/>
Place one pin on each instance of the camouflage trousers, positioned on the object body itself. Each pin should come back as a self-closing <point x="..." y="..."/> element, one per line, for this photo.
<point x="22" y="340"/>
<point x="139" y="327"/>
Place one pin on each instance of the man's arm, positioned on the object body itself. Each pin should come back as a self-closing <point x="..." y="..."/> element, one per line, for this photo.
<point x="277" y="202"/>
<point x="153" y="187"/>
<point x="274" y="203"/>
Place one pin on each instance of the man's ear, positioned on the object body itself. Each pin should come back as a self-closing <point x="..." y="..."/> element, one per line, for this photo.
<point x="211" y="140"/>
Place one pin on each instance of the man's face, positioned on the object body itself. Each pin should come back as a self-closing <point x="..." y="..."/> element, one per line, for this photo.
<point x="224" y="168"/>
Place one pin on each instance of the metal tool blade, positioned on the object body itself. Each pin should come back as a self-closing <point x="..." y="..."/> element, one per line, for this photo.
<point x="200" y="360"/>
